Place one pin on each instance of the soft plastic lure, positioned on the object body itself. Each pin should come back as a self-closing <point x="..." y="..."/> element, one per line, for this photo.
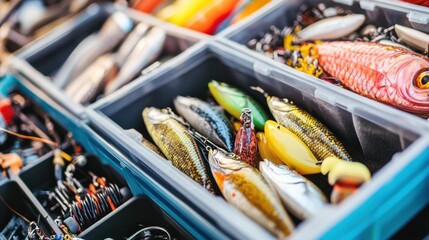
<point x="346" y="177"/>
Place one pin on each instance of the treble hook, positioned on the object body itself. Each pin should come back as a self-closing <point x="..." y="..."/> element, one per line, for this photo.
<point x="196" y="135"/>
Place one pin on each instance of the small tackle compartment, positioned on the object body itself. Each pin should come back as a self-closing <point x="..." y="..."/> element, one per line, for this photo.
<point x="19" y="212"/>
<point x="45" y="58"/>
<point x="98" y="171"/>
<point x="389" y="142"/>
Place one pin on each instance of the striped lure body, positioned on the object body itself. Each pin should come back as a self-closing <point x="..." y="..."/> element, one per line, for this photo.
<point x="177" y="145"/>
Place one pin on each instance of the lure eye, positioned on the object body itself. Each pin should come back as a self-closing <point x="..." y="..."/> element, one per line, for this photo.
<point x="423" y="80"/>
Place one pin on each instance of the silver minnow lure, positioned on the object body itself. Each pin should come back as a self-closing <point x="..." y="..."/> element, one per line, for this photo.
<point x="206" y="120"/>
<point x="300" y="196"/>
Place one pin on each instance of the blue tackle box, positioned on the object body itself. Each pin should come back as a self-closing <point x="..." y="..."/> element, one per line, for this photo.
<point x="392" y="143"/>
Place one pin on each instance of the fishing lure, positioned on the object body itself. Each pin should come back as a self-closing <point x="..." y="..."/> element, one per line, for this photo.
<point x="300" y="196"/>
<point x="145" y="52"/>
<point x="392" y="75"/>
<point x="114" y="30"/>
<point x="187" y="10"/>
<point x="290" y="149"/>
<point x="346" y="177"/>
<point x="332" y="28"/>
<point x="245" y="188"/>
<point x="264" y="149"/>
<point x="206" y="120"/>
<point x="234" y="100"/>
<point x="209" y="17"/>
<point x="412" y="37"/>
<point x="87" y="85"/>
<point x="246" y="145"/>
<point x="177" y="144"/>
<point x="311" y="131"/>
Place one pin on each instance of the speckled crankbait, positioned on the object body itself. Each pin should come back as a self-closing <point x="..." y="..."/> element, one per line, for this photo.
<point x="177" y="144"/>
<point x="300" y="196"/>
<point x="388" y="74"/>
<point x="246" y="146"/>
<point x="206" y="120"/>
<point x="234" y="100"/>
<point x="245" y="188"/>
<point x="311" y="131"/>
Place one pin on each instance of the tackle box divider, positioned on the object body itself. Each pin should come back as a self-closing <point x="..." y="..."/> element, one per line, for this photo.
<point x="133" y="84"/>
<point x="124" y="216"/>
<point x="36" y="206"/>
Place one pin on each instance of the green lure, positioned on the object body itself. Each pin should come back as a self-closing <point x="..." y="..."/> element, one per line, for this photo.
<point x="234" y="100"/>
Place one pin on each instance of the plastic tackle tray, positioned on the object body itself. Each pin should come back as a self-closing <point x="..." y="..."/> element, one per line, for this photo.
<point x="391" y="143"/>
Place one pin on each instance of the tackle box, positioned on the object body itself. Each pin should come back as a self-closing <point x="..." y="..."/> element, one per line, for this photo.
<point x="370" y="130"/>
<point x="391" y="143"/>
<point x="152" y="204"/>
<point x="47" y="54"/>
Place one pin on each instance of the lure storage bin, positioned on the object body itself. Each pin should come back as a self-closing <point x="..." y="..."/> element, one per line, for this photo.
<point x="145" y="195"/>
<point x="354" y="121"/>
<point x="381" y="16"/>
<point x="48" y="54"/>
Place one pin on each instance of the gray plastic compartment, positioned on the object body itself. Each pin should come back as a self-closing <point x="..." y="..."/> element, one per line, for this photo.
<point x="47" y="54"/>
<point x="384" y="13"/>
<point x="136" y="213"/>
<point x="398" y="12"/>
<point x="20" y="200"/>
<point x="362" y="128"/>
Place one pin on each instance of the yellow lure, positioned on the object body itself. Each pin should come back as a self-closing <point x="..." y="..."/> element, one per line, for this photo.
<point x="187" y="10"/>
<point x="265" y="151"/>
<point x="290" y="149"/>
